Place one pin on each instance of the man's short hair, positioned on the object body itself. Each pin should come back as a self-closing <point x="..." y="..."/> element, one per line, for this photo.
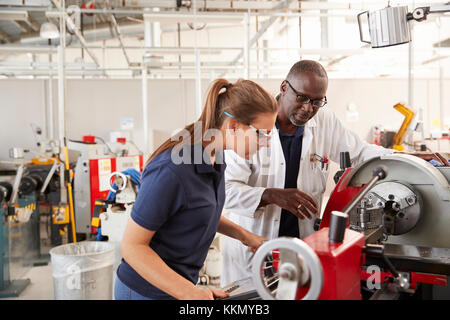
<point x="307" y="66"/>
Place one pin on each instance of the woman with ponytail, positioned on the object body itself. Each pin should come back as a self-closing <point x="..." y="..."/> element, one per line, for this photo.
<point x="178" y="209"/>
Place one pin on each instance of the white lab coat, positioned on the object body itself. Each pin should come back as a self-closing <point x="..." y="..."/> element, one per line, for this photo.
<point x="246" y="180"/>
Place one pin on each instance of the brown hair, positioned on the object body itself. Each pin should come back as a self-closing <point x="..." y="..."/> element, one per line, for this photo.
<point x="244" y="99"/>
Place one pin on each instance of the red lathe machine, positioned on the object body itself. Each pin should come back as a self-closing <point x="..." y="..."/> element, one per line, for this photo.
<point x="383" y="235"/>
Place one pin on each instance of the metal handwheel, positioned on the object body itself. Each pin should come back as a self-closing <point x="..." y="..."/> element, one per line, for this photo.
<point x="298" y="265"/>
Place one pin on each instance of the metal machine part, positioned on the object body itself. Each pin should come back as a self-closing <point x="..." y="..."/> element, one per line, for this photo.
<point x="413" y="258"/>
<point x="417" y="214"/>
<point x="17" y="153"/>
<point x="298" y="264"/>
<point x="338" y="224"/>
<point x="30" y="184"/>
<point x="420" y="14"/>
<point x="92" y="178"/>
<point x="5" y="191"/>
<point x="82" y="182"/>
<point x="394" y="206"/>
<point x="39" y="178"/>
<point x="126" y="192"/>
<point x="401" y="280"/>
<point x="15" y="190"/>
<point x="406" y="125"/>
<point x="345" y="163"/>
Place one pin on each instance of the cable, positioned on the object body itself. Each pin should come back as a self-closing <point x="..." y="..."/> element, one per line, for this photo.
<point x="106" y="145"/>
<point x="101" y="140"/>
<point x="140" y="151"/>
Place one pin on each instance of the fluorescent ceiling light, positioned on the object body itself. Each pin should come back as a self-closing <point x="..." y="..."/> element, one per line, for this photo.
<point x="49" y="31"/>
<point x="13" y="15"/>
<point x="199" y="18"/>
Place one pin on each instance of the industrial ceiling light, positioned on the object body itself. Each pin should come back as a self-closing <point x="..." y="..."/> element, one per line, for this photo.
<point x="389" y="26"/>
<point x="13" y="15"/>
<point x="49" y="31"/>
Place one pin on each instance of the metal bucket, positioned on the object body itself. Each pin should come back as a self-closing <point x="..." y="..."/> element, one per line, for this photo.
<point x="83" y="271"/>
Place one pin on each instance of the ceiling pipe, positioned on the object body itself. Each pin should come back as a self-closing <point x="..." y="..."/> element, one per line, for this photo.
<point x="261" y="31"/>
<point x="77" y="31"/>
<point x="93" y="32"/>
<point x="120" y="38"/>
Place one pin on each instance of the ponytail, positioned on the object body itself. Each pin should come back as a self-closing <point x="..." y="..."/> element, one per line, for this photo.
<point x="245" y="100"/>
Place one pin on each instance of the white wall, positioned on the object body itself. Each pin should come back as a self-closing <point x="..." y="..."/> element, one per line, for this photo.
<point x="22" y="103"/>
<point x="96" y="106"/>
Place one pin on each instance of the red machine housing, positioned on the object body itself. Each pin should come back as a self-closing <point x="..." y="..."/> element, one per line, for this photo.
<point x="340" y="197"/>
<point x="341" y="263"/>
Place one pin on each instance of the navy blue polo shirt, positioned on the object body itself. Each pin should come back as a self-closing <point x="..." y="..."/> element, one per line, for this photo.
<point x="292" y="150"/>
<point x="183" y="204"/>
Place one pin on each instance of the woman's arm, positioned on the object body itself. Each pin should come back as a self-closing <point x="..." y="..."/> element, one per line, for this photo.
<point x="232" y="230"/>
<point x="148" y="264"/>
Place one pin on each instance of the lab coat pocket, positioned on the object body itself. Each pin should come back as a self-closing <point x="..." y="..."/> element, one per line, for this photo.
<point x="318" y="181"/>
<point x="259" y="212"/>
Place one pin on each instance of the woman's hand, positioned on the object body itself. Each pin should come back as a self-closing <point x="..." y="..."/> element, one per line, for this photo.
<point x="253" y="241"/>
<point x="207" y="294"/>
<point x="231" y="229"/>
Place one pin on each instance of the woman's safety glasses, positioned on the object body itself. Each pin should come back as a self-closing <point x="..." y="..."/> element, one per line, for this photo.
<point x="263" y="136"/>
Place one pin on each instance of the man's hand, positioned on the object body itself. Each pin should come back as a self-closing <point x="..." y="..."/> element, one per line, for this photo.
<point x="293" y="200"/>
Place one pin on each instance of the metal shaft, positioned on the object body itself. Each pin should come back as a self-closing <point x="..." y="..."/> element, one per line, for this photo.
<point x="379" y="174"/>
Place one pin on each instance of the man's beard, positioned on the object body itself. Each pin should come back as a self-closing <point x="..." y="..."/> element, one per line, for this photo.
<point x="294" y="121"/>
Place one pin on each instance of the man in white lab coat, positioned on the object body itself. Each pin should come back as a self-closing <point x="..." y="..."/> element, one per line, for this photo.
<point x="278" y="192"/>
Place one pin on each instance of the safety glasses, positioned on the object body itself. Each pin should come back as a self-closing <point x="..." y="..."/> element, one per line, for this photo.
<point x="303" y="99"/>
<point x="262" y="136"/>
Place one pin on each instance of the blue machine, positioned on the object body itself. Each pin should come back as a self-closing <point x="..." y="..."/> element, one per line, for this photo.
<point x="8" y="287"/>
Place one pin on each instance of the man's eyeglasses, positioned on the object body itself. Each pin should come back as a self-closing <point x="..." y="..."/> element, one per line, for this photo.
<point x="303" y="99"/>
<point x="262" y="136"/>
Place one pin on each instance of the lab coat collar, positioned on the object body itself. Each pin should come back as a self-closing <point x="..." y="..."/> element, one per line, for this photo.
<point x="312" y="122"/>
<point x="297" y="134"/>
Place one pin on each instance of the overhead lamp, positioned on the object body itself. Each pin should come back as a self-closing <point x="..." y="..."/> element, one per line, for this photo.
<point x="49" y="31"/>
<point x="13" y="15"/>
<point x="190" y="18"/>
<point x="389" y="26"/>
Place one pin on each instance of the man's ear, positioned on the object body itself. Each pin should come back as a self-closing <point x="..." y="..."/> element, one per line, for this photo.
<point x="283" y="87"/>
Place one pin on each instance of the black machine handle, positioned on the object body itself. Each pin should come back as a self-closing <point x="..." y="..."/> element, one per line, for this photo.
<point x="377" y="251"/>
<point x="345" y="163"/>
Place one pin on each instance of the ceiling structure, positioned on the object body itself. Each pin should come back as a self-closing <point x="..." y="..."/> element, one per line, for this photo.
<point x="210" y="38"/>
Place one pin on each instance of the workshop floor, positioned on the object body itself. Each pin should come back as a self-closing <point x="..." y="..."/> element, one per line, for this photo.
<point x="41" y="284"/>
<point x="41" y="281"/>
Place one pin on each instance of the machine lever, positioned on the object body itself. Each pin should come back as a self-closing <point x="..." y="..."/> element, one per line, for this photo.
<point x="375" y="250"/>
<point x="345" y="163"/>
<point x="379" y="173"/>
<point x="317" y="223"/>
